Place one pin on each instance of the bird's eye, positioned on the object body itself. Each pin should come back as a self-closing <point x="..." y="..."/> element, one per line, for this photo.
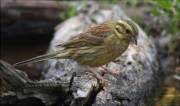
<point x="127" y="31"/>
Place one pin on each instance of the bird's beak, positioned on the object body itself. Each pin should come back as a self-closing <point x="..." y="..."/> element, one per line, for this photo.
<point x="134" y="40"/>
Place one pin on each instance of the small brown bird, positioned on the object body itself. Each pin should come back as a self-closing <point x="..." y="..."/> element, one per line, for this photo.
<point x="97" y="46"/>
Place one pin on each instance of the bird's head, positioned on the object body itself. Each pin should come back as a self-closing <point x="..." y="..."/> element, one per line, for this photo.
<point x="126" y="30"/>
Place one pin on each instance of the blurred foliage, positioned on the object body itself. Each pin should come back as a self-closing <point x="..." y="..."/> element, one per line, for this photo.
<point x="115" y="2"/>
<point x="164" y="96"/>
<point x="163" y="9"/>
<point x="70" y="11"/>
<point x="170" y="98"/>
<point x="170" y="9"/>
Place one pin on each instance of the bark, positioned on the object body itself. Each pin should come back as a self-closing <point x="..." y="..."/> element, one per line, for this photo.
<point x="17" y="89"/>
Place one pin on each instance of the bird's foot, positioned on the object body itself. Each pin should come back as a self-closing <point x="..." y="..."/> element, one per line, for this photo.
<point x="105" y="69"/>
<point x="99" y="77"/>
<point x="95" y="74"/>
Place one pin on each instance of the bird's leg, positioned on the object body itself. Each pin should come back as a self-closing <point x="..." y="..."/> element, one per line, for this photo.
<point x="105" y="69"/>
<point x="96" y="74"/>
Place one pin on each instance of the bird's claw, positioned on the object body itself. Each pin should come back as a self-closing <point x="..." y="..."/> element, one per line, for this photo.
<point x="103" y="80"/>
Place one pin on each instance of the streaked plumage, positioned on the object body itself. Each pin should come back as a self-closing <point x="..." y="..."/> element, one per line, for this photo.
<point x="97" y="46"/>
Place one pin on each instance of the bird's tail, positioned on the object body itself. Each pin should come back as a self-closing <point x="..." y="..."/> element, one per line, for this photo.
<point x="58" y="54"/>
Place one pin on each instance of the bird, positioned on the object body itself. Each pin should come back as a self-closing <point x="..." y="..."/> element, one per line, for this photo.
<point x="96" y="46"/>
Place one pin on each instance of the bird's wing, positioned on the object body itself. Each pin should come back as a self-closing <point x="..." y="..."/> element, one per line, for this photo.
<point x="93" y="36"/>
